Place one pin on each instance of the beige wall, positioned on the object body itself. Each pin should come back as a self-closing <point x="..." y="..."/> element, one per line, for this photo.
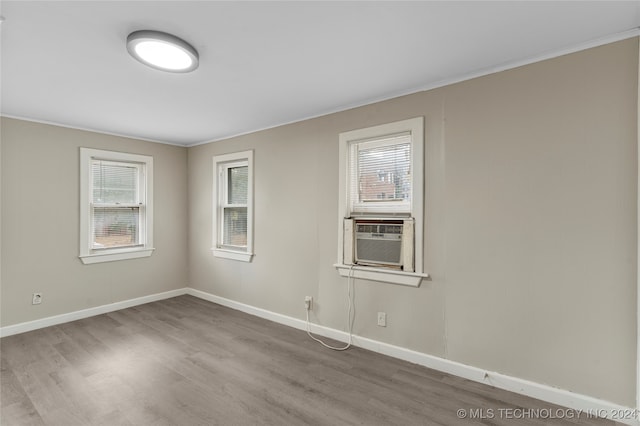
<point x="531" y="188"/>
<point x="40" y="224"/>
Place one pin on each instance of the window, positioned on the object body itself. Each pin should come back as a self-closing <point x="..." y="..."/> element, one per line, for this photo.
<point x="116" y="209"/>
<point x="233" y="209"/>
<point x="382" y="178"/>
<point x="380" y="175"/>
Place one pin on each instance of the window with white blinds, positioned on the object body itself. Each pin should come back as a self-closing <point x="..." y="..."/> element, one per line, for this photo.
<point x="117" y="201"/>
<point x="234" y="205"/>
<point x="116" y="209"/>
<point x="380" y="175"/>
<point x="233" y="212"/>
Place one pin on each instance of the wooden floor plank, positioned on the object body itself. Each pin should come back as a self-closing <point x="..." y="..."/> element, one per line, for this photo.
<point x="184" y="361"/>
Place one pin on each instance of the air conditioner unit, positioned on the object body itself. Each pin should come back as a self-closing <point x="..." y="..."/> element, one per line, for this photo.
<point x="379" y="243"/>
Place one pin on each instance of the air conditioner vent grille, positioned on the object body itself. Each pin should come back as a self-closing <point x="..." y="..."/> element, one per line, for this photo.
<point x="378" y="251"/>
<point x="370" y="228"/>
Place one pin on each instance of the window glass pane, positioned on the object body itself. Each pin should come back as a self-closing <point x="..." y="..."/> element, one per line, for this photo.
<point x="237" y="180"/>
<point x="115" y="226"/>
<point x="235" y="226"/>
<point x="384" y="173"/>
<point x="114" y="182"/>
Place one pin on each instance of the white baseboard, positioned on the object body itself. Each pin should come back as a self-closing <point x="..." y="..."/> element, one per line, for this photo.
<point x="23" y="327"/>
<point x="578" y="402"/>
<point x="584" y="404"/>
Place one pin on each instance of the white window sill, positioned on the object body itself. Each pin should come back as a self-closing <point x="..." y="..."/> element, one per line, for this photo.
<point x="233" y="255"/>
<point x="411" y="279"/>
<point x="112" y="256"/>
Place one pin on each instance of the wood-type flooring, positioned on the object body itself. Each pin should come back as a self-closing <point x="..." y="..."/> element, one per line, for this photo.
<point x="185" y="361"/>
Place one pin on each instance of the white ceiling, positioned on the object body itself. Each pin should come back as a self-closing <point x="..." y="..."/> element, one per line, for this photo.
<point x="263" y="64"/>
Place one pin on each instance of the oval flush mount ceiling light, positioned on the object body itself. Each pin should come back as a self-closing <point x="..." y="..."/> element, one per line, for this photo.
<point x="162" y="51"/>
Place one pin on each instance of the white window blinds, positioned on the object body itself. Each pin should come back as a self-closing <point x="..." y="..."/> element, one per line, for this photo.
<point x="114" y="182"/>
<point x="116" y="205"/>
<point x="380" y="178"/>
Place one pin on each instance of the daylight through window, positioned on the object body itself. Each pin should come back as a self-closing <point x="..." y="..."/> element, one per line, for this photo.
<point x="116" y="204"/>
<point x="116" y="207"/>
<point x="381" y="175"/>
<point x="233" y="210"/>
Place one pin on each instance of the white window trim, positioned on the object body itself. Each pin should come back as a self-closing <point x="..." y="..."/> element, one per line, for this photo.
<point x="415" y="126"/>
<point x="221" y="162"/>
<point x="87" y="254"/>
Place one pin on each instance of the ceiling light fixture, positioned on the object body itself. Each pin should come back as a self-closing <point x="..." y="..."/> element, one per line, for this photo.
<point x="162" y="51"/>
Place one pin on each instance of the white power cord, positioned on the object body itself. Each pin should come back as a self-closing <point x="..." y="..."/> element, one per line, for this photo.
<point x="350" y="323"/>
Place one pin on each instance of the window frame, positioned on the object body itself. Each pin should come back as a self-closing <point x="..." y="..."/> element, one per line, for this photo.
<point x="144" y="163"/>
<point x="414" y="127"/>
<point x="221" y="165"/>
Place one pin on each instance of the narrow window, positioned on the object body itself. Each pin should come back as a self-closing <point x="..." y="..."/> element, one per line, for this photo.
<point x="233" y="210"/>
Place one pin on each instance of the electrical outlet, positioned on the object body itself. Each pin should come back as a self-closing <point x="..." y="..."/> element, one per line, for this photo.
<point x="382" y="319"/>
<point x="36" y="299"/>
<point x="308" y="303"/>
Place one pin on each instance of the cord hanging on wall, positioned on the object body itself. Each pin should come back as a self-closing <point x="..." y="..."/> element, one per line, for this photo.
<point x="349" y="320"/>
